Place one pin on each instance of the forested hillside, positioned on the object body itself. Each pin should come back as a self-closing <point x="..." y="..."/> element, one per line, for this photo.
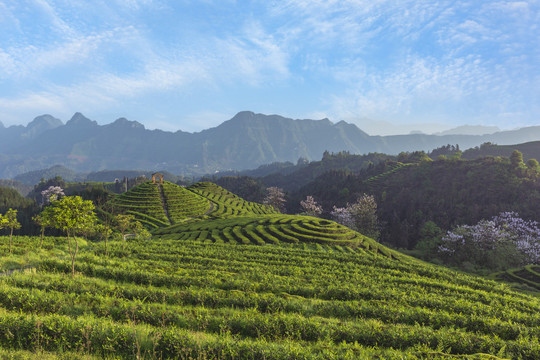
<point x="447" y="192"/>
<point x="530" y="150"/>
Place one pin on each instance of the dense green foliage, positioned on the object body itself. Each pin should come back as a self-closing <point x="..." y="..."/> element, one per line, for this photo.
<point x="12" y="199"/>
<point x="23" y="189"/>
<point x="530" y="150"/>
<point x="446" y="192"/>
<point x="182" y="299"/>
<point x="246" y="187"/>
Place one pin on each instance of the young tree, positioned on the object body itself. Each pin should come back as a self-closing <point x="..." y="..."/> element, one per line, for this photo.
<point x="125" y="223"/>
<point x="275" y="197"/>
<point x="516" y="158"/>
<point x="9" y="221"/>
<point x="533" y="164"/>
<point x="310" y="207"/>
<point x="429" y="239"/>
<point x="72" y="215"/>
<point x="104" y="231"/>
<point x="3" y="222"/>
<point x="42" y="222"/>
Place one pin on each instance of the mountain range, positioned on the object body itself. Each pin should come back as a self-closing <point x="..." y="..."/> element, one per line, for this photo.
<point x="246" y="141"/>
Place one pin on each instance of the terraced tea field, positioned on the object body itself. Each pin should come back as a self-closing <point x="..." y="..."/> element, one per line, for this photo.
<point x="168" y="298"/>
<point x="273" y="229"/>
<point x="223" y="278"/>
<point x="227" y="204"/>
<point x="145" y="203"/>
<point x="156" y="205"/>
<point x="527" y="277"/>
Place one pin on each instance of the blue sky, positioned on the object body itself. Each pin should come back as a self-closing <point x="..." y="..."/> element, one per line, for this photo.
<point x="189" y="65"/>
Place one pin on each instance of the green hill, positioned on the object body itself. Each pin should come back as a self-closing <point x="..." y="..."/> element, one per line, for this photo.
<point x="530" y="150"/>
<point x="145" y="203"/>
<point x="274" y="229"/>
<point x="447" y="192"/>
<point x="157" y="205"/>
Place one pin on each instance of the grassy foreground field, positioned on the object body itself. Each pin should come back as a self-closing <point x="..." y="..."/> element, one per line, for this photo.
<point x="223" y="278"/>
<point x="167" y="298"/>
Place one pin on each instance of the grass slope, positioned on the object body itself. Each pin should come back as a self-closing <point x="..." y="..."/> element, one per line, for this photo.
<point x="227" y="204"/>
<point x="161" y="205"/>
<point x="189" y="299"/>
<point x="145" y="203"/>
<point x="273" y="229"/>
<point x="182" y="204"/>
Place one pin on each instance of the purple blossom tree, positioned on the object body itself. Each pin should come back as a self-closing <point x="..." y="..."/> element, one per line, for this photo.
<point x="502" y="242"/>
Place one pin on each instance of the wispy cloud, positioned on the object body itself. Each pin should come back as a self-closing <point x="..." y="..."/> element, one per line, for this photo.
<point x="405" y="60"/>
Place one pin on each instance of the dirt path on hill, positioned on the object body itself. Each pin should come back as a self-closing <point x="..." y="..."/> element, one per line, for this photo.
<point x="164" y="204"/>
<point x="211" y="208"/>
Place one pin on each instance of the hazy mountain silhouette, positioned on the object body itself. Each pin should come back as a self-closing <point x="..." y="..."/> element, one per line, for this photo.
<point x="245" y="141"/>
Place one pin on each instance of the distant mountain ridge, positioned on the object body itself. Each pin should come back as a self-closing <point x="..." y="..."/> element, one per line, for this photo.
<point x="470" y="130"/>
<point x="246" y="141"/>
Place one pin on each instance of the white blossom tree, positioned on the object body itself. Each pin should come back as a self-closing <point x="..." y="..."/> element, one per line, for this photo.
<point x="310" y="207"/>
<point x="360" y="216"/>
<point x="52" y="193"/>
<point x="275" y="197"/>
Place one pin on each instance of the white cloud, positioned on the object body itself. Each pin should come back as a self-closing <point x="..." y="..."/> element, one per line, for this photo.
<point x="8" y="65"/>
<point x="58" y="23"/>
<point x="419" y="88"/>
<point x="383" y="59"/>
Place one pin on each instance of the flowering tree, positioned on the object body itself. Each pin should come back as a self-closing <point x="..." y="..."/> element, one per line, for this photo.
<point x="72" y="215"/>
<point x="502" y="242"/>
<point x="275" y="197"/>
<point x="360" y="216"/>
<point x="52" y="193"/>
<point x="310" y="207"/>
<point x="342" y="216"/>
